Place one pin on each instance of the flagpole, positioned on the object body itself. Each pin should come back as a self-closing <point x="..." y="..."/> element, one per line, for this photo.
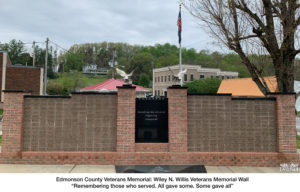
<point x="180" y="64"/>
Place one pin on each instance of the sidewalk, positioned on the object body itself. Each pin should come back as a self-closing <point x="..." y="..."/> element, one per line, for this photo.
<point x="16" y="168"/>
<point x="12" y="168"/>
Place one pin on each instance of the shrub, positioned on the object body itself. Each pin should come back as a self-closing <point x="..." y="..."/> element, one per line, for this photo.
<point x="208" y="85"/>
<point x="54" y="88"/>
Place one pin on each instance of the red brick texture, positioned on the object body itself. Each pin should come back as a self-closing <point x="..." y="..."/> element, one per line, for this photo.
<point x="286" y="123"/>
<point x="12" y="123"/>
<point x="23" y="78"/>
<point x="154" y="158"/>
<point x="20" y="77"/>
<point x="151" y="147"/>
<point x="175" y="152"/>
<point x="177" y="99"/>
<point x="126" y="119"/>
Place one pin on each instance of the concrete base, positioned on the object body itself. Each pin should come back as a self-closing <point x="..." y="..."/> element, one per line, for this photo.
<point x="232" y="169"/>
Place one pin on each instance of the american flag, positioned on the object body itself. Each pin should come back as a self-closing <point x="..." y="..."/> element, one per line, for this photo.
<point x="179" y="24"/>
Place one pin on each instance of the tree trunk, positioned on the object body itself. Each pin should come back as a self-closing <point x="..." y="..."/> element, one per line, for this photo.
<point x="284" y="71"/>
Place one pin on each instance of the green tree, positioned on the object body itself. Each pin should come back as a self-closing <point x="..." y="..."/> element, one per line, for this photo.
<point x="208" y="85"/>
<point x="140" y="63"/>
<point x="144" y="80"/>
<point x="263" y="27"/>
<point x="73" y="61"/>
<point x="15" y="49"/>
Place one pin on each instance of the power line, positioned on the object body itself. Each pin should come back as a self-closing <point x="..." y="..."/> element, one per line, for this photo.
<point x="58" y="45"/>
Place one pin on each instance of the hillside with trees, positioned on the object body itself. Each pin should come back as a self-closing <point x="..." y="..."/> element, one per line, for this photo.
<point x="131" y="57"/>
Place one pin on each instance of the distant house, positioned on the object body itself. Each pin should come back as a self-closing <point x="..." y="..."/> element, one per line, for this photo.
<point x="111" y="85"/>
<point x="247" y="87"/>
<point x="55" y="68"/>
<point x="94" y="69"/>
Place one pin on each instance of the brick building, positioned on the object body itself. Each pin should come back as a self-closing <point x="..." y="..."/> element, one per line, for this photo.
<point x="162" y="77"/>
<point x="14" y="77"/>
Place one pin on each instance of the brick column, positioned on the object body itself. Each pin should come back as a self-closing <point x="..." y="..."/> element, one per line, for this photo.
<point x="177" y="99"/>
<point x="286" y="122"/>
<point x="12" y="122"/>
<point x="126" y="119"/>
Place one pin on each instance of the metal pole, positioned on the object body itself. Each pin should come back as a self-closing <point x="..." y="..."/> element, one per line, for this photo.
<point x="33" y="54"/>
<point x="45" y="67"/>
<point x="152" y="77"/>
<point x="180" y="64"/>
<point x="113" y="64"/>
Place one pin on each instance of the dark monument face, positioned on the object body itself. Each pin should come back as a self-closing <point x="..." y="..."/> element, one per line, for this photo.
<point x="151" y="120"/>
<point x="161" y="169"/>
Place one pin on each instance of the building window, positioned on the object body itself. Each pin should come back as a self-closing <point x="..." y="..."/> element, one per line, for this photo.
<point x="192" y="77"/>
<point x="158" y="93"/>
<point x="228" y="77"/>
<point x="155" y="79"/>
<point x="165" y="78"/>
<point x="185" y="77"/>
<point x="166" y="93"/>
<point x="202" y="76"/>
<point x="222" y="77"/>
<point x="162" y="79"/>
<point x="155" y="93"/>
<point x="169" y="79"/>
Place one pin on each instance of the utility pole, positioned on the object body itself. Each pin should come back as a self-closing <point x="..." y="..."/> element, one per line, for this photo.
<point x="45" y="67"/>
<point x="152" y="77"/>
<point x="113" y="63"/>
<point x="33" y="54"/>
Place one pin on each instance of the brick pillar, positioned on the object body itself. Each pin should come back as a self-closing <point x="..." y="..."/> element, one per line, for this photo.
<point x="12" y="122"/>
<point x="126" y="119"/>
<point x="177" y="99"/>
<point x="286" y="122"/>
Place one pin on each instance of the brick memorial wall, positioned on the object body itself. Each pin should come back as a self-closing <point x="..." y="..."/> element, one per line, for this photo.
<point x="100" y="129"/>
<point x="220" y="123"/>
<point x="83" y="122"/>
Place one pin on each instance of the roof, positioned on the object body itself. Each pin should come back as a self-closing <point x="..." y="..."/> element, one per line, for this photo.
<point x="110" y="85"/>
<point x="246" y="86"/>
<point x="199" y="68"/>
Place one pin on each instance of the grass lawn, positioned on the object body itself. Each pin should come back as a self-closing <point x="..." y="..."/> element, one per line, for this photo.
<point x="298" y="141"/>
<point x="72" y="81"/>
<point x="78" y="79"/>
<point x="0" y="139"/>
<point x="1" y="111"/>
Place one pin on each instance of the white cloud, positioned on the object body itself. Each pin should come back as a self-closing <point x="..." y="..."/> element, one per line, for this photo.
<point x="72" y="21"/>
